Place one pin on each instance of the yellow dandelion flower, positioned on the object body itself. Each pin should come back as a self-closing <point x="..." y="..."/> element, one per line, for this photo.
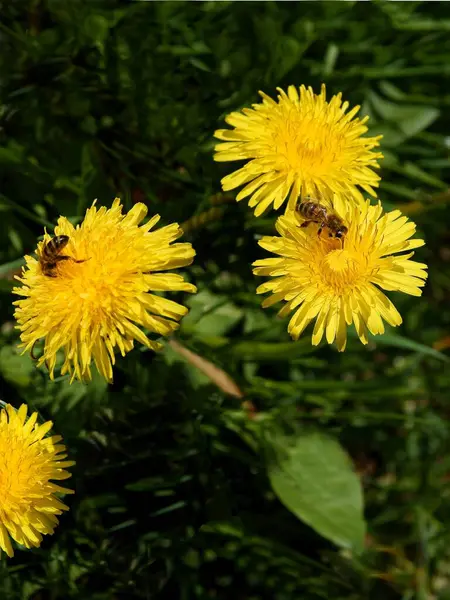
<point x="301" y="145"/>
<point x="337" y="283"/>
<point x="29" y="461"/>
<point x="95" y="301"/>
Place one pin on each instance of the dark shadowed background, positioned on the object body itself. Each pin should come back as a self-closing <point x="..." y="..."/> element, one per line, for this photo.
<point x="173" y="477"/>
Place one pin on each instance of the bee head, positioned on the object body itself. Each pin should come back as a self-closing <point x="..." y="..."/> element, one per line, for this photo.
<point x="341" y="232"/>
<point x="60" y="241"/>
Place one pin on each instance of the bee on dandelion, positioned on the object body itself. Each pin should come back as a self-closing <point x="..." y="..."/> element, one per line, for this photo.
<point x="298" y="145"/>
<point x="314" y="212"/>
<point x="91" y="289"/>
<point x="319" y="278"/>
<point x="30" y="461"/>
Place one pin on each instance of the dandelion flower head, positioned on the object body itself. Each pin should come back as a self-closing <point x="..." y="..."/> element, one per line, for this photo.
<point x="338" y="283"/>
<point x="90" y="308"/>
<point x="298" y="145"/>
<point x="29" y="461"/>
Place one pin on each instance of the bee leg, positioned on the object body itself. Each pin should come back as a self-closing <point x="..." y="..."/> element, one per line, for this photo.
<point x="322" y="225"/>
<point x="80" y="261"/>
<point x="305" y="224"/>
<point x="64" y="257"/>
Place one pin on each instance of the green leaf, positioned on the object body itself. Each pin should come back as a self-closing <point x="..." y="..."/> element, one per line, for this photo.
<point x="408" y="118"/>
<point x="6" y="286"/>
<point x="14" y="367"/>
<point x="13" y="154"/>
<point x="417" y="118"/>
<point x="195" y="376"/>
<point x="399" y="190"/>
<point x="392" y="91"/>
<point x="155" y="483"/>
<point x="392" y="138"/>
<point x="210" y="315"/>
<point x="288" y="54"/>
<point x="415" y="172"/>
<point x="313" y="477"/>
<point x="272" y="351"/>
<point x="398" y="341"/>
<point x="199" y="64"/>
<point x="331" y="56"/>
<point x="96" y="28"/>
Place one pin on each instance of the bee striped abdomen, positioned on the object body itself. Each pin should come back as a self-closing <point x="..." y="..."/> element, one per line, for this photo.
<point x="312" y="211"/>
<point x="53" y="247"/>
<point x="51" y="255"/>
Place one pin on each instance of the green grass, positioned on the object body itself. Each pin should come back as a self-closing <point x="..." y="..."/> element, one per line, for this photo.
<point x="174" y="477"/>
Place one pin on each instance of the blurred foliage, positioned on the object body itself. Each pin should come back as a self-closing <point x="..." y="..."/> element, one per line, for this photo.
<point x="173" y="476"/>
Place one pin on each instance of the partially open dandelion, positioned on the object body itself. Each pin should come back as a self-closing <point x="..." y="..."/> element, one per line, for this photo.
<point x="301" y="145"/>
<point x="29" y="461"/>
<point x="338" y="283"/>
<point x="98" y="301"/>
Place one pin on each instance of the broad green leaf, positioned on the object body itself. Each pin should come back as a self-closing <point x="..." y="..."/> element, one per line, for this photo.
<point x="409" y="119"/>
<point x="416" y="119"/>
<point x="390" y="111"/>
<point x="14" y="367"/>
<point x="392" y="138"/>
<point x="313" y="477"/>
<point x="210" y="315"/>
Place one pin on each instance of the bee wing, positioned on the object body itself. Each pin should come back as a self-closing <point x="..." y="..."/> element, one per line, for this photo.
<point x="318" y="199"/>
<point x="329" y="204"/>
<point x="340" y="208"/>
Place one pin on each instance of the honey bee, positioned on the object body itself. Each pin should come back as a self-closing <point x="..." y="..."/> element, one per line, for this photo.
<point x="51" y="255"/>
<point x="314" y="212"/>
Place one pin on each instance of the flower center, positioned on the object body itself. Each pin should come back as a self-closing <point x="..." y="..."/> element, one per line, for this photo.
<point x="341" y="269"/>
<point x="308" y="145"/>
